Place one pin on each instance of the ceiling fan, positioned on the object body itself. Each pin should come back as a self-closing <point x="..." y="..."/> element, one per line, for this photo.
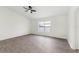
<point x="29" y="8"/>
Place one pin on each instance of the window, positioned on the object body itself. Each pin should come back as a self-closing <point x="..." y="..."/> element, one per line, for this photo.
<point x="44" y="26"/>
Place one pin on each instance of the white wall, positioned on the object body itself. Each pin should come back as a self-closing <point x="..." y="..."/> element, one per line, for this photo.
<point x="72" y="39"/>
<point x="77" y="27"/>
<point x="12" y="24"/>
<point x="58" y="29"/>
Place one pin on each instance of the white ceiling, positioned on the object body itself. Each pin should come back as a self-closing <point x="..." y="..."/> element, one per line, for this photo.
<point x="42" y="11"/>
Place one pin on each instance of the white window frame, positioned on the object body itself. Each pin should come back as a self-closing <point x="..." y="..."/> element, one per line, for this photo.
<point x="44" y="26"/>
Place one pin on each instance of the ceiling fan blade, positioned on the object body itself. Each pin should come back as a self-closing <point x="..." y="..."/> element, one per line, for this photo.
<point x="24" y="7"/>
<point x="29" y="9"/>
<point x="33" y="10"/>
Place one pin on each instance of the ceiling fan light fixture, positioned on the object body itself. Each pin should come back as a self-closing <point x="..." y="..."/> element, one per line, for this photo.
<point x="29" y="8"/>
